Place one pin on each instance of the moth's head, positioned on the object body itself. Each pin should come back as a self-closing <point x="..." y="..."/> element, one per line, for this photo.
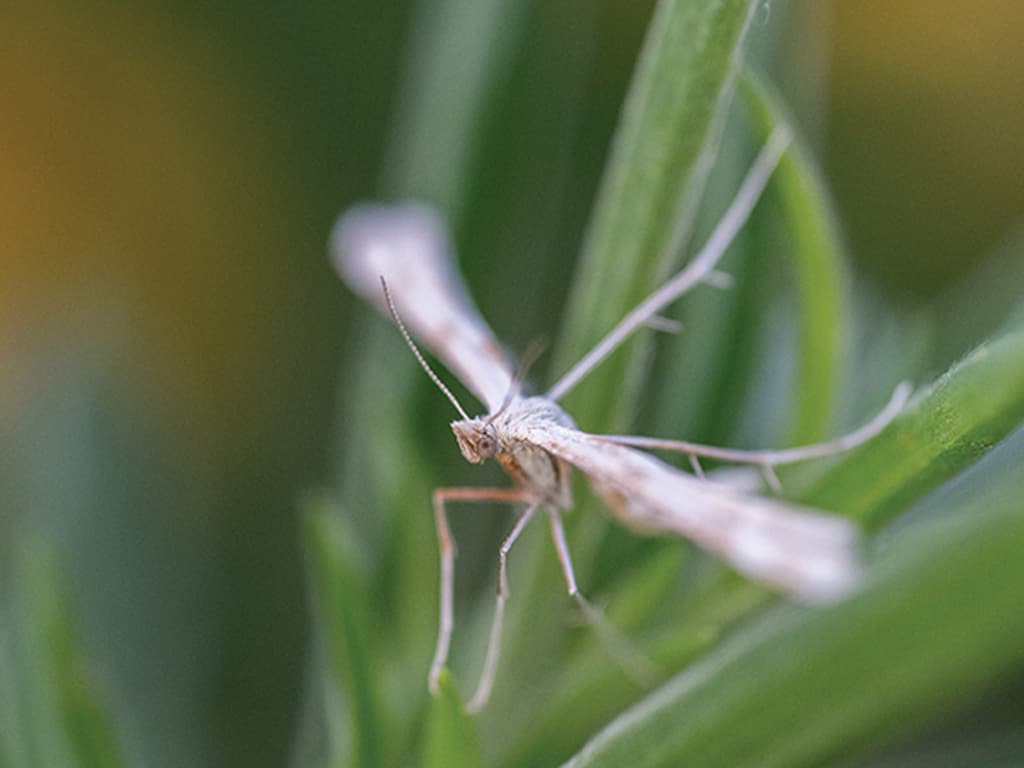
<point x="476" y="439"/>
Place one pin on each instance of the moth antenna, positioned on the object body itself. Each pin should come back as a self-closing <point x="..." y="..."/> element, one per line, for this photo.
<point x="415" y="350"/>
<point x="533" y="351"/>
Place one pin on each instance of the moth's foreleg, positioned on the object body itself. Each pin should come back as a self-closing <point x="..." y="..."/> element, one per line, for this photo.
<point x="446" y="548"/>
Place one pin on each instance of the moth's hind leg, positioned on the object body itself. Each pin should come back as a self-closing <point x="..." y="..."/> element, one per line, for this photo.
<point x="446" y="547"/>
<point x="633" y="661"/>
<point x="766" y="461"/>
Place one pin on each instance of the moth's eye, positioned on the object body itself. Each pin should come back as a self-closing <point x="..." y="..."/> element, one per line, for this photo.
<point x="486" y="446"/>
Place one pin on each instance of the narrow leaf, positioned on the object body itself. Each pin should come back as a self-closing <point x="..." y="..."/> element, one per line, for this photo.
<point x="945" y="429"/>
<point x="14" y="747"/>
<point x="817" y="267"/>
<point x="338" y="589"/>
<point x="451" y="738"/>
<point x="648" y="196"/>
<point x="646" y="203"/>
<point x="595" y="689"/>
<point x="698" y="376"/>
<point x="66" y="710"/>
<point x="457" y="53"/>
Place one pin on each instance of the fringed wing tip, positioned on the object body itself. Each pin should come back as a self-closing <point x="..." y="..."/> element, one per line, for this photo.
<point x="371" y="240"/>
<point x="814" y="557"/>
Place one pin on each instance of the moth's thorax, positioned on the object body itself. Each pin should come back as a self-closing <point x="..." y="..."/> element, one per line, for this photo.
<point x="497" y="436"/>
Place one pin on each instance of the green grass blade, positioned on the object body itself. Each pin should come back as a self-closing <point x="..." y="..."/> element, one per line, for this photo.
<point x="14" y="749"/>
<point x="945" y="429"/>
<point x="698" y="373"/>
<point x="455" y="58"/>
<point x="647" y="198"/>
<point x="451" y="739"/>
<point x="66" y="711"/>
<point x="938" y="620"/>
<point x="999" y="278"/>
<point x="817" y="260"/>
<point x="339" y="590"/>
<point x="386" y="488"/>
<point x="594" y="691"/>
<point x="648" y="195"/>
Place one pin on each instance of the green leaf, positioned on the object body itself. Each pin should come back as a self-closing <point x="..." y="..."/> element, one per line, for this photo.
<point x="593" y="689"/>
<point x="14" y="747"/>
<point x="999" y="278"/>
<point x="945" y="429"/>
<point x="641" y="595"/>
<point x="451" y="738"/>
<point x="938" y="619"/>
<point x="698" y="378"/>
<point x="339" y="589"/>
<point x="66" y="712"/>
<point x="817" y="257"/>
<point x="455" y="58"/>
<point x="652" y="182"/>
<point x="734" y="374"/>
<point x="647" y="200"/>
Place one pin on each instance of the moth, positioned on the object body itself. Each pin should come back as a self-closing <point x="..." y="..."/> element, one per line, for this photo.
<point x="399" y="258"/>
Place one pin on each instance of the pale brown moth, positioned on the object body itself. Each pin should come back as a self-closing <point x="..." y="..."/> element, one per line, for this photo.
<point x="399" y="258"/>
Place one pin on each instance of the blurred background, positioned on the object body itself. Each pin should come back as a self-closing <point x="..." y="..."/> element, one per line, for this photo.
<point x="172" y="336"/>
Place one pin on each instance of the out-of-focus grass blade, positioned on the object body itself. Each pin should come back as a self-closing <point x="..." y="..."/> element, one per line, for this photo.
<point x="889" y="344"/>
<point x="653" y="179"/>
<point x="695" y="371"/>
<point x="778" y="344"/>
<point x="386" y="497"/>
<point x="386" y="493"/>
<point x="595" y="689"/>
<point x="645" y="591"/>
<point x="14" y="748"/>
<point x="65" y="711"/>
<point x="455" y="56"/>
<point x="938" y="619"/>
<point x="984" y="301"/>
<point x="945" y="429"/>
<point x="989" y="735"/>
<point x="1015" y="320"/>
<point x="818" y="269"/>
<point x="338" y="588"/>
<point x="451" y="737"/>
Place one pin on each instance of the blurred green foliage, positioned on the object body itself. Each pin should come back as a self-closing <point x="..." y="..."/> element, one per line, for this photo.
<point x="170" y="396"/>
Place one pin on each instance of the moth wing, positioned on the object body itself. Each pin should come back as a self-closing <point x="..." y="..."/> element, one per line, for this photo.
<point x="808" y="554"/>
<point x="409" y="247"/>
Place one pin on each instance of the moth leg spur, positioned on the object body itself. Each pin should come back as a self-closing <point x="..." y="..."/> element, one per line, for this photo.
<point x="446" y="548"/>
